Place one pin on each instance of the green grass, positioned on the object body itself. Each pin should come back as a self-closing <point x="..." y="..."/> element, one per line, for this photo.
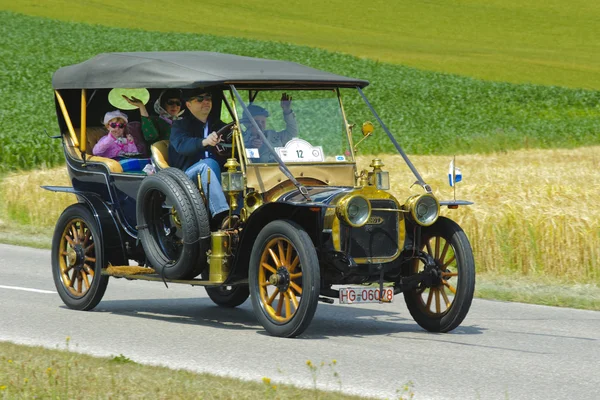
<point x="38" y="373"/>
<point x="538" y="289"/>
<point x="551" y="42"/>
<point x="430" y="113"/>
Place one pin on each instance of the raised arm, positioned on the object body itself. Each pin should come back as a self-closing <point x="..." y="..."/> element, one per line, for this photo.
<point x="291" y="128"/>
<point x="148" y="128"/>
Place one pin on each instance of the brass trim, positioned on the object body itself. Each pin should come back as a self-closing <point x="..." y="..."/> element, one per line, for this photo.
<point x="264" y="177"/>
<point x="342" y="209"/>
<point x="370" y="193"/>
<point x="411" y="206"/>
<point x="218" y="256"/>
<point x="67" y="118"/>
<point x="83" y="129"/>
<point x="256" y="199"/>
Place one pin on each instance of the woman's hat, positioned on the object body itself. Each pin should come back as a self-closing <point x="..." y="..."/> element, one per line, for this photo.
<point x="115" y="97"/>
<point x="114" y="114"/>
<point x="169" y="94"/>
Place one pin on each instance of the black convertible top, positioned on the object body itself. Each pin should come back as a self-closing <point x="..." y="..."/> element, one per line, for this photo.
<point x="188" y="70"/>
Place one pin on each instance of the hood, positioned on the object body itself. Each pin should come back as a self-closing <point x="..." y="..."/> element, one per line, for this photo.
<point x="320" y="195"/>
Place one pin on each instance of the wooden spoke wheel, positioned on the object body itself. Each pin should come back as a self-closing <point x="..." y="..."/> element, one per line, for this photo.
<point x="77" y="259"/>
<point x="284" y="279"/>
<point x="443" y="304"/>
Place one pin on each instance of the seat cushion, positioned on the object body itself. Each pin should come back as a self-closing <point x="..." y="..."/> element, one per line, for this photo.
<point x="160" y="154"/>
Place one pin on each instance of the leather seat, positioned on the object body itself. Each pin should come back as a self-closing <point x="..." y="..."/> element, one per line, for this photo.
<point x="93" y="134"/>
<point x="160" y="154"/>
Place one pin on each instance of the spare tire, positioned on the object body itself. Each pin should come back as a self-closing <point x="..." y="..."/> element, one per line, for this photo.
<point x="167" y="227"/>
<point x="201" y="217"/>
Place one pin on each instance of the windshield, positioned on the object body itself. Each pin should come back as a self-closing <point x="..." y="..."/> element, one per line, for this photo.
<point x="303" y="126"/>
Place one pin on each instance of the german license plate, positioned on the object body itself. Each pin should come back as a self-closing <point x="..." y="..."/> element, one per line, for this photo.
<point x="353" y="295"/>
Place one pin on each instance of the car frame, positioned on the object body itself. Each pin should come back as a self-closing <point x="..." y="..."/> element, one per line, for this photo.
<point x="307" y="231"/>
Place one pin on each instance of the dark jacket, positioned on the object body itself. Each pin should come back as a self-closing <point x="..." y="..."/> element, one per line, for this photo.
<point x="185" y="145"/>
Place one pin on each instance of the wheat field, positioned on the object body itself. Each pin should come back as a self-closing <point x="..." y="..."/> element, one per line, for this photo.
<point x="536" y="212"/>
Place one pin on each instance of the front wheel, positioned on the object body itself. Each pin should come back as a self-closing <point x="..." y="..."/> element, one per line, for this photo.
<point x="78" y="258"/>
<point x="441" y="307"/>
<point x="284" y="279"/>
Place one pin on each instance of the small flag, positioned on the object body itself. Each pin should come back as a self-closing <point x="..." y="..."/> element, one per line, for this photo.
<point x="454" y="174"/>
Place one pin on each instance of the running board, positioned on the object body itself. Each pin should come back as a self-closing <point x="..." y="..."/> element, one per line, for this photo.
<point x="148" y="274"/>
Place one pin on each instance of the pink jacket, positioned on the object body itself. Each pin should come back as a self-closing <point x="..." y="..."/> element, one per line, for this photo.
<point x="110" y="147"/>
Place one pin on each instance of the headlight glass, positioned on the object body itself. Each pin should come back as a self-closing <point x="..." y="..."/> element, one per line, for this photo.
<point x="232" y="181"/>
<point x="425" y="209"/>
<point x="354" y="210"/>
<point x="382" y="180"/>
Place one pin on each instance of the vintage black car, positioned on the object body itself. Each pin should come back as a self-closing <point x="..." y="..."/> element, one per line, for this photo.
<point x="312" y="225"/>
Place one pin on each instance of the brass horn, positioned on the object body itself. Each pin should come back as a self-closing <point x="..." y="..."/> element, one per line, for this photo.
<point x="252" y="201"/>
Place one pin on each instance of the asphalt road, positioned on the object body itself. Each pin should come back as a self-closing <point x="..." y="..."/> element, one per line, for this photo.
<point x="501" y="351"/>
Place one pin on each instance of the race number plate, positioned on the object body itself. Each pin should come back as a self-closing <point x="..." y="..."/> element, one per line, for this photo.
<point x="299" y="150"/>
<point x="353" y="295"/>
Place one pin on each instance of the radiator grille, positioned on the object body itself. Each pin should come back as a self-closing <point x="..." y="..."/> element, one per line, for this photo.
<point x="378" y="238"/>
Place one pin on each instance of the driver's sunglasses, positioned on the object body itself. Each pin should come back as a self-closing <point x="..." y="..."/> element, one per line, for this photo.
<point x="174" y="103"/>
<point x="201" y="98"/>
<point x="119" y="125"/>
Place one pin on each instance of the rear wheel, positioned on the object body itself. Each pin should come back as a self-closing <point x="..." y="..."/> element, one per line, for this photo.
<point x="228" y="296"/>
<point x="443" y="306"/>
<point x="167" y="227"/>
<point x="284" y="279"/>
<point x="78" y="259"/>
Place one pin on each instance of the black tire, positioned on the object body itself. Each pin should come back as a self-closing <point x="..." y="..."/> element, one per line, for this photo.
<point x="448" y="244"/>
<point x="201" y="217"/>
<point x="296" y="283"/>
<point x="78" y="259"/>
<point x="167" y="227"/>
<point x="228" y="296"/>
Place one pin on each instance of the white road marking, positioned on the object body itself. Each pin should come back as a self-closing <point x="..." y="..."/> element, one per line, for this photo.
<point x="27" y="289"/>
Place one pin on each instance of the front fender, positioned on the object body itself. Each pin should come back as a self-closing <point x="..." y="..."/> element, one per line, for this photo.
<point x="309" y="217"/>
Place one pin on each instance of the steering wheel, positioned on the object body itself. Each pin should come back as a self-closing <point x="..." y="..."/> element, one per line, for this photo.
<point x="223" y="148"/>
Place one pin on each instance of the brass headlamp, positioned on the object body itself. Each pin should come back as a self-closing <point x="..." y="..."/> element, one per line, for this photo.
<point x="354" y="210"/>
<point x="232" y="181"/>
<point x="379" y="178"/>
<point x="424" y="209"/>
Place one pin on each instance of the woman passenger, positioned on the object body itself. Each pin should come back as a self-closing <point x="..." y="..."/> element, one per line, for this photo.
<point x="168" y="108"/>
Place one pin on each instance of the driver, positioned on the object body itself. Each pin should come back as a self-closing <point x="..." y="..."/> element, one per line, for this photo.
<point x="191" y="147"/>
<point x="252" y="139"/>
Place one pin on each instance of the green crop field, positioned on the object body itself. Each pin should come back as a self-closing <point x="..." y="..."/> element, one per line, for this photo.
<point x="429" y="112"/>
<point x="552" y="42"/>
